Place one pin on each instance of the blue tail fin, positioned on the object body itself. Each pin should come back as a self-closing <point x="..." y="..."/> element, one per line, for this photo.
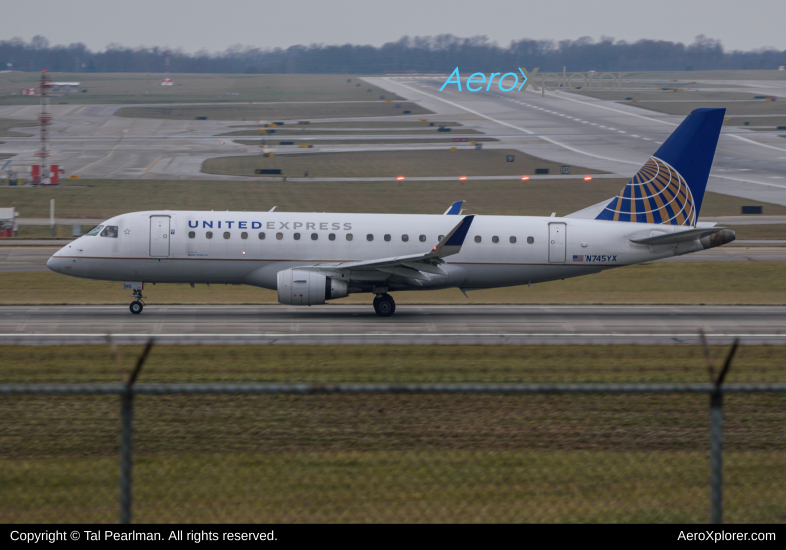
<point x="669" y="188"/>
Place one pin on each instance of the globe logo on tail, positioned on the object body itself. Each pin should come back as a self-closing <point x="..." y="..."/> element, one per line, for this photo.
<point x="656" y="194"/>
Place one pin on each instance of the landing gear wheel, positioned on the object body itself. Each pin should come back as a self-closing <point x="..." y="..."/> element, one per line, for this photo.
<point x="136" y="307"/>
<point x="384" y="305"/>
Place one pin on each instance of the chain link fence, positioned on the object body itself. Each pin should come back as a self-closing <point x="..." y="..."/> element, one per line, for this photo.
<point x="259" y="452"/>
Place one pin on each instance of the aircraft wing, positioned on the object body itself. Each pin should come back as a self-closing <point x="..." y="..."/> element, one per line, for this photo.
<point x="678" y="236"/>
<point x="455" y="209"/>
<point x="413" y="266"/>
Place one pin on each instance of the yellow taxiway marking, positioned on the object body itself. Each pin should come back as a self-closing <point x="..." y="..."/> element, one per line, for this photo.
<point x="154" y="163"/>
<point x="108" y="155"/>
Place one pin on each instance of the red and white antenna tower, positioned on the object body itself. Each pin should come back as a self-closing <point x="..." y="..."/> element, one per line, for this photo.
<point x="44" y="120"/>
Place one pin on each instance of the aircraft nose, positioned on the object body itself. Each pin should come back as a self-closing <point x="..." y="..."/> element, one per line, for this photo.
<point x="53" y="263"/>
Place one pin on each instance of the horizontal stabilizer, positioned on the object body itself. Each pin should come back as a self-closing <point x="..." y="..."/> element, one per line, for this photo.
<point x="678" y="237"/>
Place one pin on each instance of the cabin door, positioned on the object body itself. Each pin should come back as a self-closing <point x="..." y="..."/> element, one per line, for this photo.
<point x="159" y="236"/>
<point x="557" y="243"/>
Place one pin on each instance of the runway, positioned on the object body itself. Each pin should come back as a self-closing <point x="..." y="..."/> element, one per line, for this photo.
<point x="429" y="325"/>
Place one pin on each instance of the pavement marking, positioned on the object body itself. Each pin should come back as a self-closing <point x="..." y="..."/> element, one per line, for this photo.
<point x="108" y="155"/>
<point x="154" y="163"/>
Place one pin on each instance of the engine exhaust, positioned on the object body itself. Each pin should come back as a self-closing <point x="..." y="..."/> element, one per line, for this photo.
<point x="720" y="238"/>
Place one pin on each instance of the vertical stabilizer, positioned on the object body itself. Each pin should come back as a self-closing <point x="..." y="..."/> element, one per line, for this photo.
<point x="669" y="188"/>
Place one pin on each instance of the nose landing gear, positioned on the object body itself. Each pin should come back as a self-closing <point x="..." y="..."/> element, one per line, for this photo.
<point x="384" y="305"/>
<point x="137" y="305"/>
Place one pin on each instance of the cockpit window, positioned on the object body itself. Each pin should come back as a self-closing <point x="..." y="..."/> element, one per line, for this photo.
<point x="110" y="231"/>
<point x="95" y="231"/>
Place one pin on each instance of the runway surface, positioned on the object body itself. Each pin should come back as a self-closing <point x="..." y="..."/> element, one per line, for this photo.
<point x="433" y="325"/>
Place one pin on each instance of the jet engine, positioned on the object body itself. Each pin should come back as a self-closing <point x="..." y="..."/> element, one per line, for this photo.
<point x="300" y="287"/>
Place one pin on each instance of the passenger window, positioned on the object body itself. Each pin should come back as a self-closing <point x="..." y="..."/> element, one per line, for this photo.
<point x="369" y="237"/>
<point x="191" y="234"/>
<point x="95" y="231"/>
<point x="244" y="235"/>
<point x="405" y="238"/>
<point x="297" y="236"/>
<point x="226" y="234"/>
<point x="349" y="236"/>
<point x="530" y="240"/>
<point x="110" y="231"/>
<point x="332" y="237"/>
<point x="314" y="236"/>
<point x="387" y="238"/>
<point x="209" y="234"/>
<point x="279" y="236"/>
<point x="477" y="238"/>
<point x="261" y="236"/>
<point x="495" y="239"/>
<point x="513" y="240"/>
<point x="422" y="238"/>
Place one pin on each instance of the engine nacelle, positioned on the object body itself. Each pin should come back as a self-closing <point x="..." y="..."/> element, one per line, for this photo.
<point x="299" y="287"/>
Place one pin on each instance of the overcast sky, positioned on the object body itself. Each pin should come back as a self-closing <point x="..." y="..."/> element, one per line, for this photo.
<point x="215" y="25"/>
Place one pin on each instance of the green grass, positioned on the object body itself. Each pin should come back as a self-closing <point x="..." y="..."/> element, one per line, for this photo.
<point x="388" y="457"/>
<point x="366" y="125"/>
<point x="305" y="131"/>
<point x="744" y="108"/>
<point x="462" y="162"/>
<point x="663" y="95"/>
<point x="689" y="76"/>
<point x="462" y="486"/>
<point x="761" y="283"/>
<point x="107" y="198"/>
<point x="763" y="231"/>
<point x="389" y="364"/>
<point x="272" y="112"/>
<point x="382" y="140"/>
<point x="44" y="232"/>
<point x="130" y="88"/>
<point x="7" y="123"/>
<point x="770" y="121"/>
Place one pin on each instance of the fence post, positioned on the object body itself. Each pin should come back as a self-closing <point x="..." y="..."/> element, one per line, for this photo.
<point x="127" y="433"/>
<point x="126" y="452"/>
<point x="716" y="456"/>
<point x="716" y="432"/>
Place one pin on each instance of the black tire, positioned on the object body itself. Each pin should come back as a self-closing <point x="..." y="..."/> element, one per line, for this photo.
<point x="386" y="306"/>
<point x="136" y="307"/>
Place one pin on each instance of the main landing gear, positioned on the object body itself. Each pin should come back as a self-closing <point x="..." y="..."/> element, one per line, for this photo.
<point x="384" y="305"/>
<point x="137" y="305"/>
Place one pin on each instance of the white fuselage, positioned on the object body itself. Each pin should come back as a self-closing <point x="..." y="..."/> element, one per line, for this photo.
<point x="173" y="247"/>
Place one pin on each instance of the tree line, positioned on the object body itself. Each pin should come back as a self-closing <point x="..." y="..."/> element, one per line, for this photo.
<point x="420" y="54"/>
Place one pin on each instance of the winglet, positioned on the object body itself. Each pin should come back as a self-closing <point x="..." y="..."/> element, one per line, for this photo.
<point x="451" y="243"/>
<point x="455" y="209"/>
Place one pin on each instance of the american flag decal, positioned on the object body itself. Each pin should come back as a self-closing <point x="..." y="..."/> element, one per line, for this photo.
<point x="579" y="258"/>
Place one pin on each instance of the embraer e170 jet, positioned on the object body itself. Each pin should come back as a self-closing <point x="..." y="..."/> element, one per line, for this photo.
<point x="310" y="258"/>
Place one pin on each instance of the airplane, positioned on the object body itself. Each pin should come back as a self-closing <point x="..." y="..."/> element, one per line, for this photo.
<point x="311" y="258"/>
